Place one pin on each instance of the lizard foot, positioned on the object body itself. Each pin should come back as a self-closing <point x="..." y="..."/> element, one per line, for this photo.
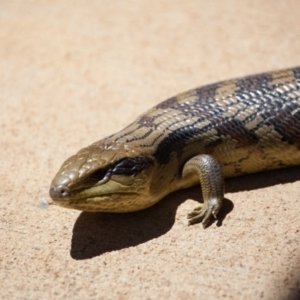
<point x="202" y="214"/>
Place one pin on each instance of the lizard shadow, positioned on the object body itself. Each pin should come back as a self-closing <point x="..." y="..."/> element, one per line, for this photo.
<point x="98" y="233"/>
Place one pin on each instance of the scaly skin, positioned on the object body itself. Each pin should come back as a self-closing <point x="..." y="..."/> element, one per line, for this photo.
<point x="230" y="128"/>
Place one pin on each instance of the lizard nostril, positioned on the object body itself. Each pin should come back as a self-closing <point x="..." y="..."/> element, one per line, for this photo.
<point x="63" y="192"/>
<point x="60" y="191"/>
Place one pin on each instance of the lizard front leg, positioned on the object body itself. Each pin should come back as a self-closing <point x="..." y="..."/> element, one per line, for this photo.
<point x="211" y="179"/>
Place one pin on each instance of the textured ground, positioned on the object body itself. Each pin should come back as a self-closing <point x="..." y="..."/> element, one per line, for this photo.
<point x="72" y="72"/>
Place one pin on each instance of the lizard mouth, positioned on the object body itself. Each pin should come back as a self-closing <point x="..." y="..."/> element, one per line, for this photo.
<point x="62" y="193"/>
<point x="95" y="196"/>
<point x="117" y="202"/>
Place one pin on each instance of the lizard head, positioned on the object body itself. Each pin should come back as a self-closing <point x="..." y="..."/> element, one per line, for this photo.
<point x="108" y="176"/>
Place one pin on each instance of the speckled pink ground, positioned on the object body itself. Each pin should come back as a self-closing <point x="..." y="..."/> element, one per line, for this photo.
<point x="72" y="72"/>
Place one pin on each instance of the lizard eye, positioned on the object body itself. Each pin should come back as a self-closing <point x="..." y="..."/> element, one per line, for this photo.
<point x="98" y="175"/>
<point x="132" y="166"/>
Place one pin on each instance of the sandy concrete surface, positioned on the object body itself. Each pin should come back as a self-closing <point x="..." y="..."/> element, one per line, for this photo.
<point x="72" y="72"/>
